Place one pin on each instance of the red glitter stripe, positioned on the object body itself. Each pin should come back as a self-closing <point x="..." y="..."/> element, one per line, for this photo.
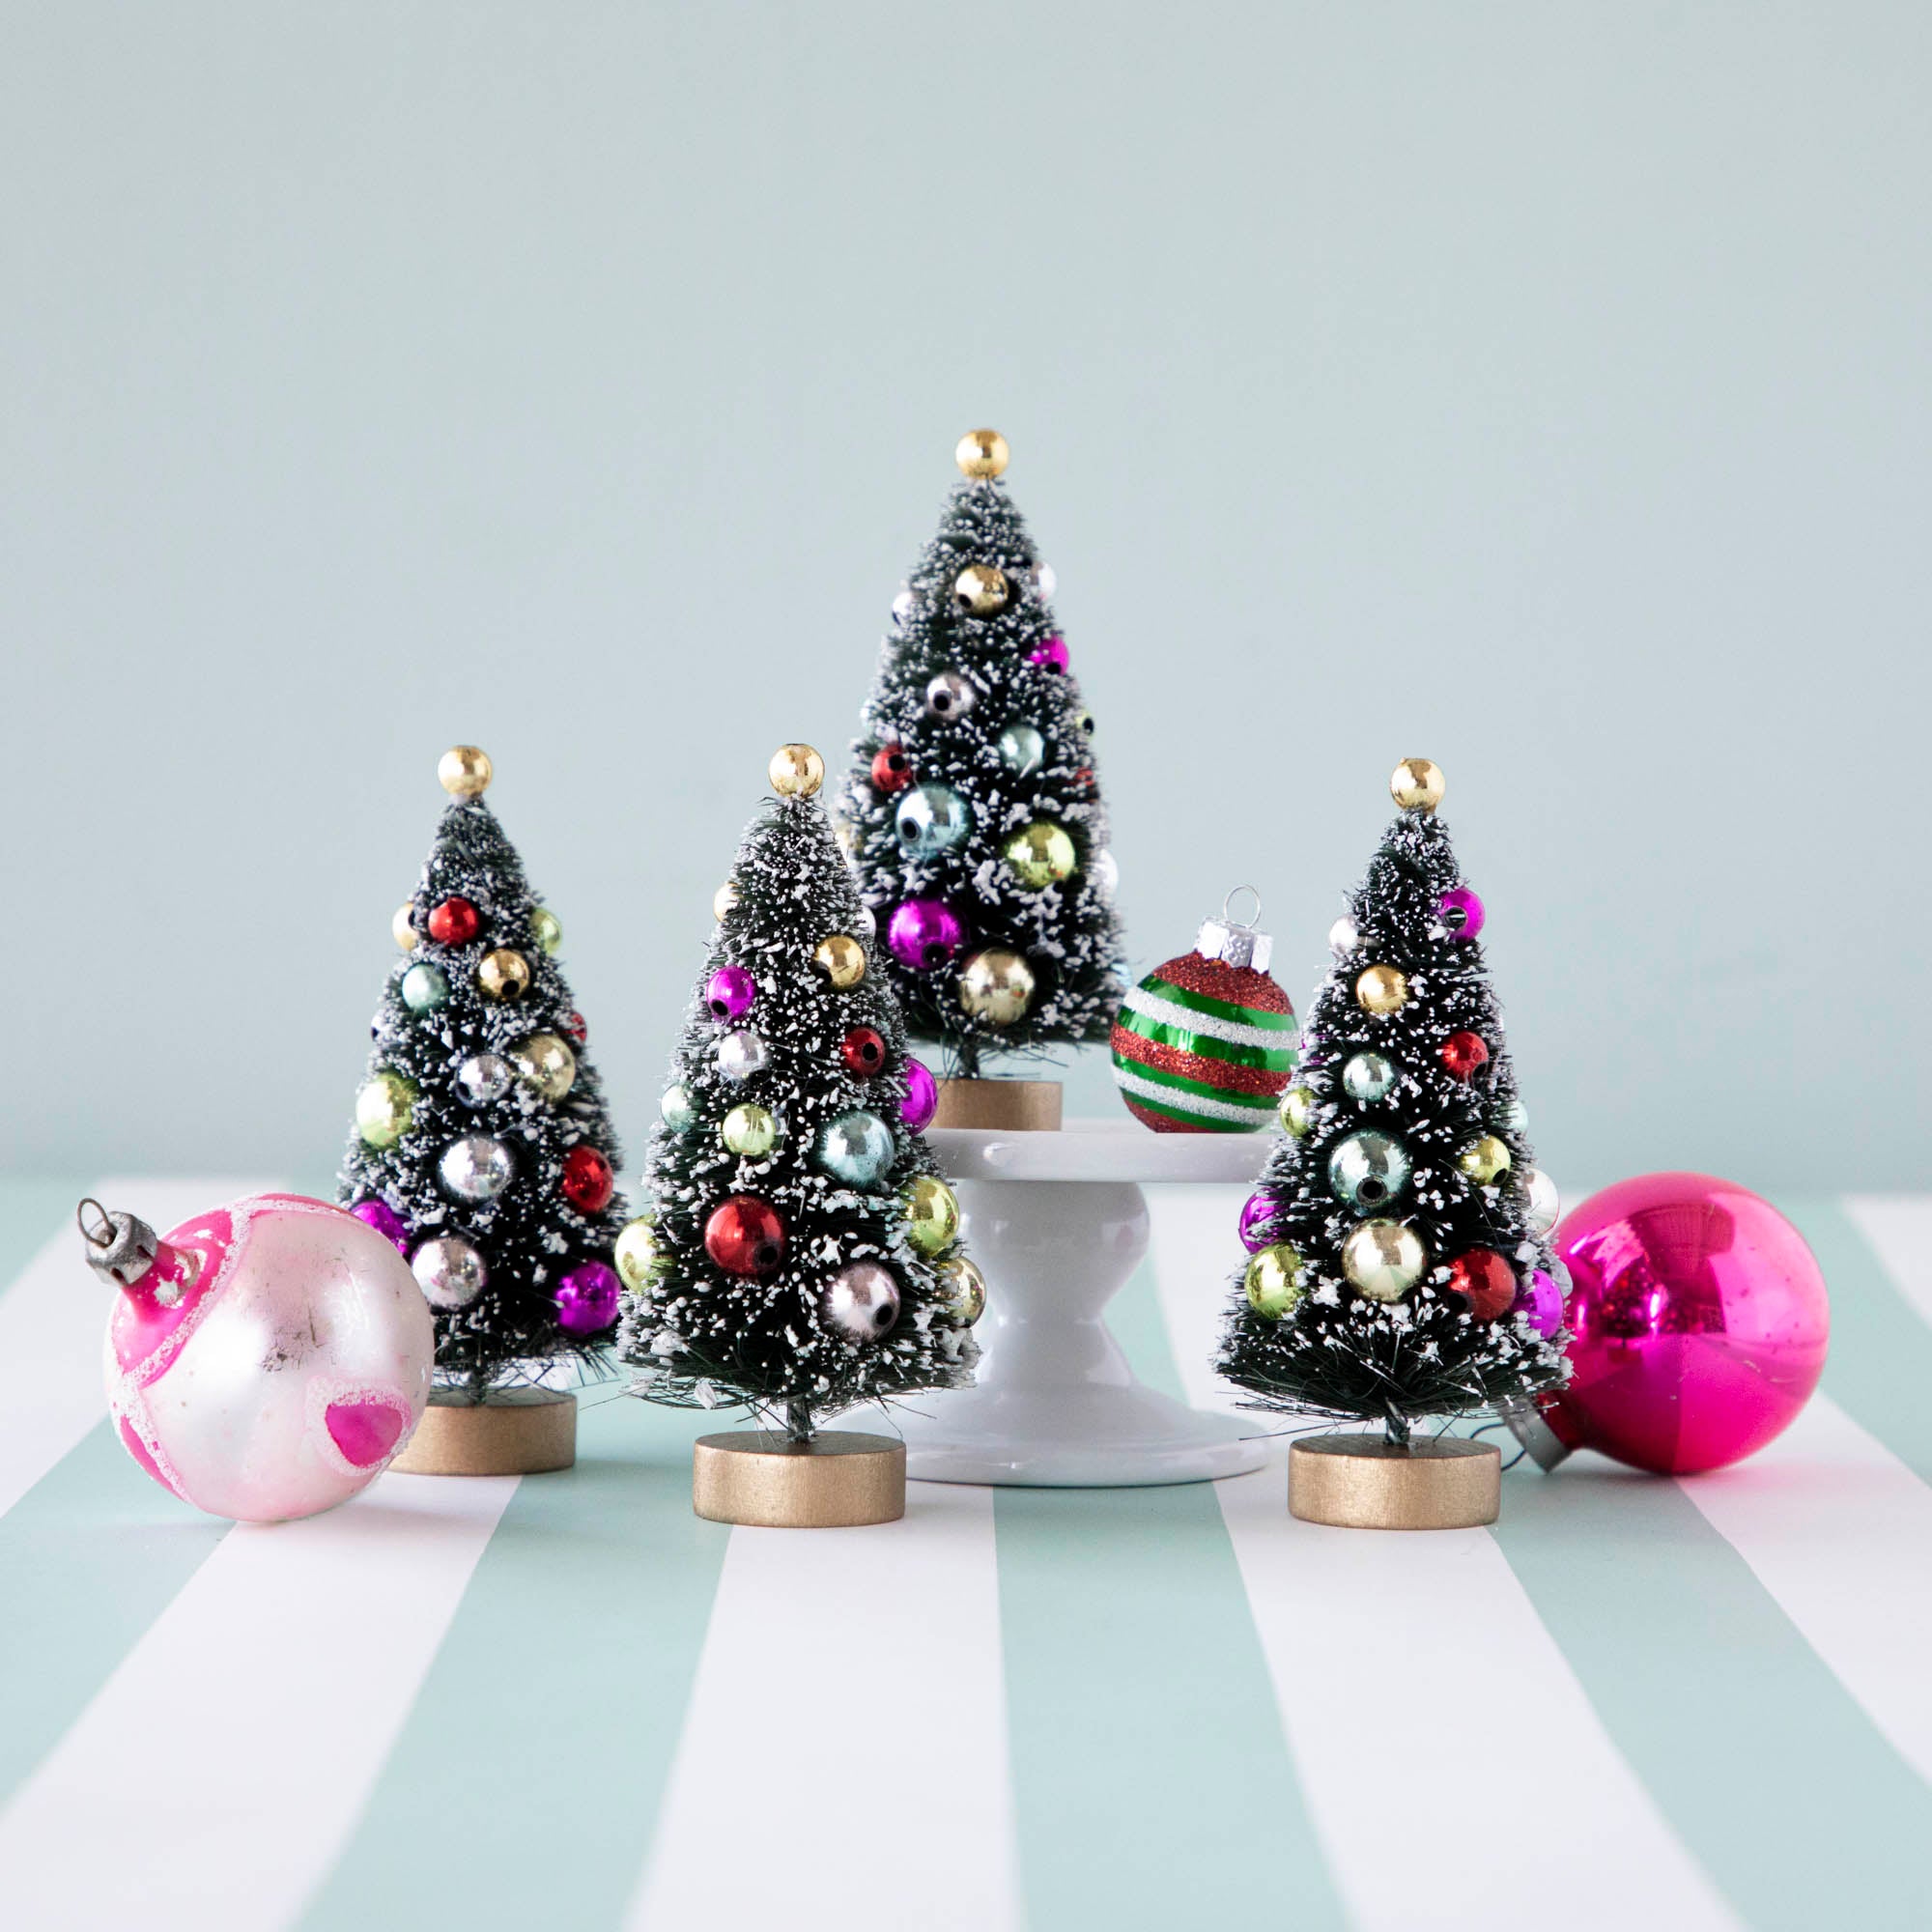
<point x="1216" y="980"/>
<point x="1223" y="1075"/>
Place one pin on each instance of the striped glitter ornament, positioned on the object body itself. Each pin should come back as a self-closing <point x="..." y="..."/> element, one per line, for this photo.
<point x="1206" y="1043"/>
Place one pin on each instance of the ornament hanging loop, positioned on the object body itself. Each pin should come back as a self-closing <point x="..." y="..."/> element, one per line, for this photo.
<point x="121" y="1248"/>
<point x="101" y="1234"/>
<point x="1228" y="917"/>
<point x="1238" y="942"/>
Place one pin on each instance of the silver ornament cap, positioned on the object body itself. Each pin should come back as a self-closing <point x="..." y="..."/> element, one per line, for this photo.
<point x="1236" y="941"/>
<point x="121" y="1248"/>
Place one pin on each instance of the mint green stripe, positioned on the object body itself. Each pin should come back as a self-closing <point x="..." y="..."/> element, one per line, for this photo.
<point x="1272" y="1058"/>
<point x="89" y="1557"/>
<point x="32" y="1214"/>
<point x="1762" y="1762"/>
<point x="1152" y="1783"/>
<point x="544" y="1733"/>
<point x="1206" y="1002"/>
<point x="1880" y="1366"/>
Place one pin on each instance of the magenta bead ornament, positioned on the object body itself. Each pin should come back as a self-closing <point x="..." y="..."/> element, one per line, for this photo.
<point x="1540" y="1301"/>
<point x="385" y="1221"/>
<point x="922" y="1101"/>
<point x="587" y="1300"/>
<point x="1052" y="654"/>
<point x="729" y="992"/>
<point x="1258" y="1216"/>
<point x="924" y="934"/>
<point x="1460" y="912"/>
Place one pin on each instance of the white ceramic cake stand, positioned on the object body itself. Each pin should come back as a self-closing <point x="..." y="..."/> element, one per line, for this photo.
<point x="1058" y="1222"/>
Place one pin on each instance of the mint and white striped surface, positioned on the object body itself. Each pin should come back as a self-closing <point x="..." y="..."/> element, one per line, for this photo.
<point x="565" y="1701"/>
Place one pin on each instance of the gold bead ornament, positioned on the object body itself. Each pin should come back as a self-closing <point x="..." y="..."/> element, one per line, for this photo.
<point x="983" y="454"/>
<point x="402" y="929"/>
<point x="842" y="959"/>
<point x="1417" y="784"/>
<point x="982" y="589"/>
<point x="797" y="771"/>
<point x="504" y="973"/>
<point x="464" y="771"/>
<point x="1381" y="989"/>
<point x="996" y="987"/>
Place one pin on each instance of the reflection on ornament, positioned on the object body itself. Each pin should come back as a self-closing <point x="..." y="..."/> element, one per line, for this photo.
<point x="965" y="1288"/>
<point x="1462" y="1053"/>
<point x="904" y="605"/>
<point x="842" y="959"/>
<point x="1343" y="936"/>
<point x="796" y="771"/>
<point x="587" y="1182"/>
<point x="385" y="1221"/>
<point x="922" y="1101"/>
<point x="1273" y="1280"/>
<point x="1298" y="1112"/>
<point x="728" y="993"/>
<point x="924" y="934"/>
<point x="1052" y="655"/>
<point x="1485" y="1281"/>
<point x="475" y="1168"/>
<point x="1416" y="785"/>
<point x="981" y="454"/>
<point x="749" y="1130"/>
<point x="1106" y="872"/>
<point x="384" y="1109"/>
<point x="587" y="1300"/>
<point x="743" y="1235"/>
<point x="741" y="1053"/>
<point x="864" y="1051"/>
<point x="1460" y="912"/>
<point x="996" y="987"/>
<point x="861" y="1302"/>
<point x="1039" y="855"/>
<point x="675" y="1108"/>
<point x="464" y="771"/>
<point x="1367" y="1171"/>
<point x="1259" y="1212"/>
<point x="403" y="928"/>
<point x="981" y="590"/>
<point x="504" y="973"/>
<point x="1046" y="581"/>
<point x="425" y="987"/>
<point x="454" y="922"/>
<point x="725" y="901"/>
<point x="451" y="1272"/>
<point x="1539" y="1200"/>
<point x="1022" y="750"/>
<point x="547" y="930"/>
<point x="1484" y="1160"/>
<point x="932" y="819"/>
<point x="1368" y="1076"/>
<point x="546" y="1065"/>
<point x="892" y="769"/>
<point x="932" y="1215"/>
<point x="637" y="1252"/>
<point x="950" y="695"/>
<point x="856" y="1148"/>
<point x="1382" y="990"/>
<point x="1540" y="1301"/>
<point x="482" y="1078"/>
<point x="1382" y="1260"/>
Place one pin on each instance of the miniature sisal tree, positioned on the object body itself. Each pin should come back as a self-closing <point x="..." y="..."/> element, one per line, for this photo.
<point x="1400" y="1265"/>
<point x="800" y="1255"/>
<point x="481" y="1145"/>
<point x="972" y="815"/>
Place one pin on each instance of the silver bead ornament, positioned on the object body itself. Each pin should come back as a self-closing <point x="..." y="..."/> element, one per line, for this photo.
<point x="1022" y="750"/>
<point x="1046" y="581"/>
<point x="475" y="1168"/>
<point x="449" y="1271"/>
<point x="932" y="819"/>
<point x="857" y="1149"/>
<point x="950" y="695"/>
<point x="1368" y="1076"/>
<point x="861" y="1302"/>
<point x="482" y="1078"/>
<point x="1513" y="1116"/>
<point x="1539" y="1200"/>
<point x="741" y="1053"/>
<point x="904" y="605"/>
<point x="1368" y="1171"/>
<point x="867" y="925"/>
<point x="1104" y="870"/>
<point x="1343" y="937"/>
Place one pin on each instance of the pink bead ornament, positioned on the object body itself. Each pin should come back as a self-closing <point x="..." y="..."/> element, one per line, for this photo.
<point x="729" y="992"/>
<point x="1259" y="1214"/>
<point x="924" y="934"/>
<point x="587" y="1300"/>
<point x="1052" y="654"/>
<point x="1461" y="912"/>
<point x="264" y="1360"/>
<point x="922" y="1101"/>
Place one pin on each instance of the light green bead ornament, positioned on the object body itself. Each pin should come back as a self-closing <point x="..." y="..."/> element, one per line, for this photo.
<point x="1039" y="855"/>
<point x="384" y="1108"/>
<point x="1274" y="1281"/>
<point x="1297" y="1111"/>
<point x="425" y="987"/>
<point x="749" y="1129"/>
<point x="1022" y="750"/>
<point x="675" y="1108"/>
<point x="932" y="1215"/>
<point x="547" y="930"/>
<point x="637" y="1252"/>
<point x="1368" y="1076"/>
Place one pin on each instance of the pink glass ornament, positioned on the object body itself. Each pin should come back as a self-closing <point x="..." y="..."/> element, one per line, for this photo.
<point x="728" y="993"/>
<point x="924" y="934"/>
<point x="1259" y="1213"/>
<point x="922" y="1101"/>
<point x="1542" y="1300"/>
<point x="385" y="1221"/>
<point x="272" y="1359"/>
<point x="1052" y="654"/>
<point x="1461" y="912"/>
<point x="1700" y="1323"/>
<point x="587" y="1300"/>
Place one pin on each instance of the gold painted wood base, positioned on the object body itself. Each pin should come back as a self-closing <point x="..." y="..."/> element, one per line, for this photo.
<point x="1360" y="1482"/>
<point x="1008" y="1106"/>
<point x="519" y="1431"/>
<point x="838" y="1480"/>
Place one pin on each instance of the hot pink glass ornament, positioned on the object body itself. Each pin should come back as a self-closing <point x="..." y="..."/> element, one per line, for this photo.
<point x="924" y="934"/>
<point x="922" y="1101"/>
<point x="1052" y="654"/>
<point x="1259" y="1212"/>
<point x="1700" y="1323"/>
<point x="273" y="1358"/>
<point x="385" y="1221"/>
<point x="1461" y="912"/>
<point x="729" y="992"/>
<point x="587" y="1300"/>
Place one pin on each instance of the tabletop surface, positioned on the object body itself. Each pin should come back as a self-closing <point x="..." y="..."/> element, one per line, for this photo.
<point x="566" y="1702"/>
<point x="1095" y="1150"/>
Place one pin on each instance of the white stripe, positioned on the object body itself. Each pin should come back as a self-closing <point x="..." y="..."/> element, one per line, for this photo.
<point x="1180" y="1101"/>
<point x="1233" y="1032"/>
<point x="51" y="1322"/>
<point x="1441" y="1609"/>
<point x="218" y="1773"/>
<point x="1901" y="1227"/>
<point x="847" y="1730"/>
<point x="1839" y="1531"/>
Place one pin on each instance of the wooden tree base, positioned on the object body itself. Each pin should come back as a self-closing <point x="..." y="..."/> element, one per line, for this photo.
<point x="838" y="1480"/>
<point x="1009" y="1106"/>
<point x="1361" y="1482"/>
<point x="510" y="1433"/>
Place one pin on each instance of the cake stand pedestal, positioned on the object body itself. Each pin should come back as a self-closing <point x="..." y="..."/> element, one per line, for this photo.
<point x="1058" y="1223"/>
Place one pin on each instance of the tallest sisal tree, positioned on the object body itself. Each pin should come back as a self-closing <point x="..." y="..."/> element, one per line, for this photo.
<point x="971" y="814"/>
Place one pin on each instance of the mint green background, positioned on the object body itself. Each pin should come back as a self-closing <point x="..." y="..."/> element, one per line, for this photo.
<point x="1540" y="387"/>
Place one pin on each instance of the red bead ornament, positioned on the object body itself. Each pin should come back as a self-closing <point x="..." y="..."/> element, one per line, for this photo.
<point x="454" y="923"/>
<point x="892" y="769"/>
<point x="1462" y="1053"/>
<point x="1485" y="1281"/>
<point x="574" y="1026"/>
<point x="864" y="1051"/>
<point x="587" y="1181"/>
<point x="743" y="1235"/>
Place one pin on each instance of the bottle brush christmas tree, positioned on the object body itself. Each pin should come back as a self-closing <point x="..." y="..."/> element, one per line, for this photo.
<point x="973" y="815"/>
<point x="800" y="1255"/>
<point x="1399" y="1268"/>
<point x="482" y="1147"/>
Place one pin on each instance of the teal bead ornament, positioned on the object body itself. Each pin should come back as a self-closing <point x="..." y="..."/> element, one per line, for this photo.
<point x="1368" y="1171"/>
<point x="1368" y="1076"/>
<point x="932" y="819"/>
<point x="425" y="987"/>
<point x="675" y="1109"/>
<point x="857" y="1149"/>
<point x="1022" y="750"/>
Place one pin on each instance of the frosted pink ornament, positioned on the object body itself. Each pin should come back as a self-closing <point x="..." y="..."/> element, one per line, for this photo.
<point x="264" y="1360"/>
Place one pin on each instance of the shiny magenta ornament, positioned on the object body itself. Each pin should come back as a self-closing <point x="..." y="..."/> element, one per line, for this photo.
<point x="922" y="1101"/>
<point x="1460" y="911"/>
<point x="729" y="992"/>
<point x="1052" y="654"/>
<point x="385" y="1221"/>
<point x="587" y="1181"/>
<point x="1259" y="1213"/>
<point x="1700" y="1323"/>
<point x="587" y="1300"/>
<point x="743" y="1235"/>
<point x="264" y="1360"/>
<point x="924" y="934"/>
<point x="1540" y="1301"/>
